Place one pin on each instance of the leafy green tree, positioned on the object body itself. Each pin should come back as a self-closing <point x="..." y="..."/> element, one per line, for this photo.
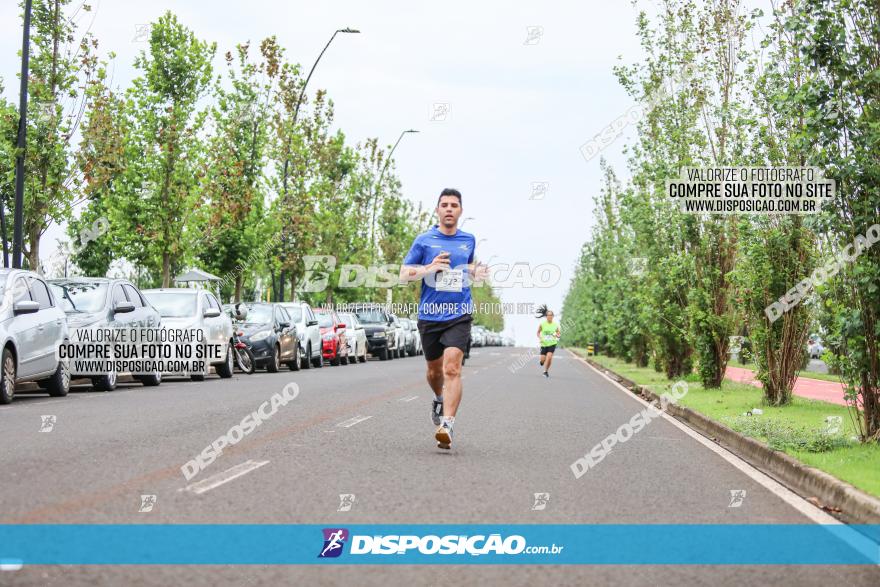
<point x="164" y="149"/>
<point x="62" y="68"/>
<point x="233" y="199"/>
<point x="839" y="41"/>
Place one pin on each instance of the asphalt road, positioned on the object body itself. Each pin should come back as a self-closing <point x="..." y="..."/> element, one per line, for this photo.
<point x="365" y="430"/>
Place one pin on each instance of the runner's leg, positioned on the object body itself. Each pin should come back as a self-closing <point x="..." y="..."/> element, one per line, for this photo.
<point x="435" y="375"/>
<point x="451" y="377"/>
<point x="548" y="361"/>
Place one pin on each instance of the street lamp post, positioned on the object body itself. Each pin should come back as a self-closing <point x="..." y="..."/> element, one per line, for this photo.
<point x="302" y="93"/>
<point x="18" y="215"/>
<point x="376" y="193"/>
<point x="285" y="174"/>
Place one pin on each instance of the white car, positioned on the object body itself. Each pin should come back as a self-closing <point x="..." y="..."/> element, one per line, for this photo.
<point x="356" y="336"/>
<point x="815" y="347"/>
<point x="417" y="336"/>
<point x="32" y="325"/>
<point x="309" y="333"/>
<point x="400" y="337"/>
<point x="193" y="308"/>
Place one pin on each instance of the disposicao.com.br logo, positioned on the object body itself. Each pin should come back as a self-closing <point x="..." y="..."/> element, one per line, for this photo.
<point x="334" y="540"/>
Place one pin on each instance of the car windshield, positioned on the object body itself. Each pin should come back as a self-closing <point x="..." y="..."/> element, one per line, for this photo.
<point x="80" y="296"/>
<point x="324" y="320"/>
<point x="371" y="316"/>
<point x="259" y="314"/>
<point x="346" y="319"/>
<point x="295" y="313"/>
<point x="173" y="304"/>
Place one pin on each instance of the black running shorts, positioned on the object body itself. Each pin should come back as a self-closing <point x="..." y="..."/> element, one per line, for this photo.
<point x="548" y="349"/>
<point x="437" y="336"/>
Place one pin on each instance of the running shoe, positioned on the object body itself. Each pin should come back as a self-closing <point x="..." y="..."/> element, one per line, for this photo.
<point x="436" y="412"/>
<point x="547" y="375"/>
<point x="444" y="436"/>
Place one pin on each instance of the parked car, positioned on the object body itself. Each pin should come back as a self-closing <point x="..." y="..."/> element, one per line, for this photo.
<point x="271" y="335"/>
<point x="409" y="344"/>
<point x="196" y="309"/>
<point x="333" y="344"/>
<point x="32" y="324"/>
<point x="99" y="302"/>
<point x="417" y="336"/>
<point x="815" y="348"/>
<point x="356" y="336"/>
<point x="379" y="328"/>
<point x="308" y="332"/>
<point x="399" y="337"/>
<point x="478" y="336"/>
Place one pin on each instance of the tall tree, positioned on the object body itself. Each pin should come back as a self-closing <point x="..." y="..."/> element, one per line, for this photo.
<point x="233" y="200"/>
<point x="165" y="149"/>
<point x="62" y="68"/>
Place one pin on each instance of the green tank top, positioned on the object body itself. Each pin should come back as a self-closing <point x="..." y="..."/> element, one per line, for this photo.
<point x="548" y="332"/>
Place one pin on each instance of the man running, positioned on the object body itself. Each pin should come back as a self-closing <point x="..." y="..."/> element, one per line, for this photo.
<point x="548" y="335"/>
<point x="443" y="258"/>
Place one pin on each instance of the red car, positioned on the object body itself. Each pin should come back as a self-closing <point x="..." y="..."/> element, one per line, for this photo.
<point x="334" y="347"/>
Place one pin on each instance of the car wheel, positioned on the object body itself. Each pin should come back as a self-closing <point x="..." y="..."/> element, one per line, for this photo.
<point x="306" y="361"/>
<point x="104" y="382"/>
<point x="225" y="370"/>
<point x="150" y="380"/>
<point x="294" y="365"/>
<point x="7" y="377"/>
<point x="319" y="360"/>
<point x="59" y="384"/>
<point x="336" y="358"/>
<point x="384" y="355"/>
<point x="363" y="357"/>
<point x="273" y="365"/>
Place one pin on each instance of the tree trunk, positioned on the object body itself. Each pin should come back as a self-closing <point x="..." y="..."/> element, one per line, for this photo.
<point x="166" y="269"/>
<point x="33" y="252"/>
<point x="238" y="283"/>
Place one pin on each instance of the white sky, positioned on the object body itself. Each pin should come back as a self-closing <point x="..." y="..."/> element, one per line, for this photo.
<point x="517" y="112"/>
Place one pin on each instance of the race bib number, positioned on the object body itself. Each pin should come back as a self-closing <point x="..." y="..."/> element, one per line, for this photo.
<point x="450" y="280"/>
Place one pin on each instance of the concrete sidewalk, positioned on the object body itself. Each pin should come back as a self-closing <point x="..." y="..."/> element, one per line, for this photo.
<point x="827" y="391"/>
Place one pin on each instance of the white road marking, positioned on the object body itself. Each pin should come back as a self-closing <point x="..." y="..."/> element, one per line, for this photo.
<point x="408" y="399"/>
<point x="352" y="421"/>
<point x="11" y="564"/>
<point x="858" y="541"/>
<point x="226" y="476"/>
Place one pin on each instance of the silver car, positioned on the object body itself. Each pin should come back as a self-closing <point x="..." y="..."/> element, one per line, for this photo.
<point x="309" y="333"/>
<point x="356" y="336"/>
<point x="97" y="302"/>
<point x="400" y="338"/>
<point x="409" y="337"/>
<point x="32" y="325"/>
<point x="417" y="336"/>
<point x="192" y="308"/>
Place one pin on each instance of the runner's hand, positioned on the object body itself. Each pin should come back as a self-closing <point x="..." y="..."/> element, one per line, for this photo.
<point x="481" y="272"/>
<point x="440" y="262"/>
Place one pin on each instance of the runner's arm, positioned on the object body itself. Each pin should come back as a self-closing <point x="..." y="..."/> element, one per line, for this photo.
<point x="416" y="272"/>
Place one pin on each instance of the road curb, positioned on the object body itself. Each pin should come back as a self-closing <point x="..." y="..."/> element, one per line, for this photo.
<point x="836" y="497"/>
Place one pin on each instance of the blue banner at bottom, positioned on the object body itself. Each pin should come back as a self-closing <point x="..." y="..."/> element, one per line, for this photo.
<point x="278" y="544"/>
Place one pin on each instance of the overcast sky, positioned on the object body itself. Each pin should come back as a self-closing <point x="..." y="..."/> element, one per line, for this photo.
<point x="520" y="103"/>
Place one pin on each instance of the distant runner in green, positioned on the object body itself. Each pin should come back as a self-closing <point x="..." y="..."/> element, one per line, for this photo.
<point x="548" y="335"/>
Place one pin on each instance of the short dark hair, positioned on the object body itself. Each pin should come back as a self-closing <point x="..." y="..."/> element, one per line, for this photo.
<point x="450" y="192"/>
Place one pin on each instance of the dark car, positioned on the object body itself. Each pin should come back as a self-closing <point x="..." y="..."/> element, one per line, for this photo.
<point x="334" y="345"/>
<point x="99" y="302"/>
<point x="271" y="336"/>
<point x="380" y="329"/>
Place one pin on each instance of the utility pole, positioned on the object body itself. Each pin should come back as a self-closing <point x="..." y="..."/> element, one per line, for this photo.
<point x="18" y="220"/>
